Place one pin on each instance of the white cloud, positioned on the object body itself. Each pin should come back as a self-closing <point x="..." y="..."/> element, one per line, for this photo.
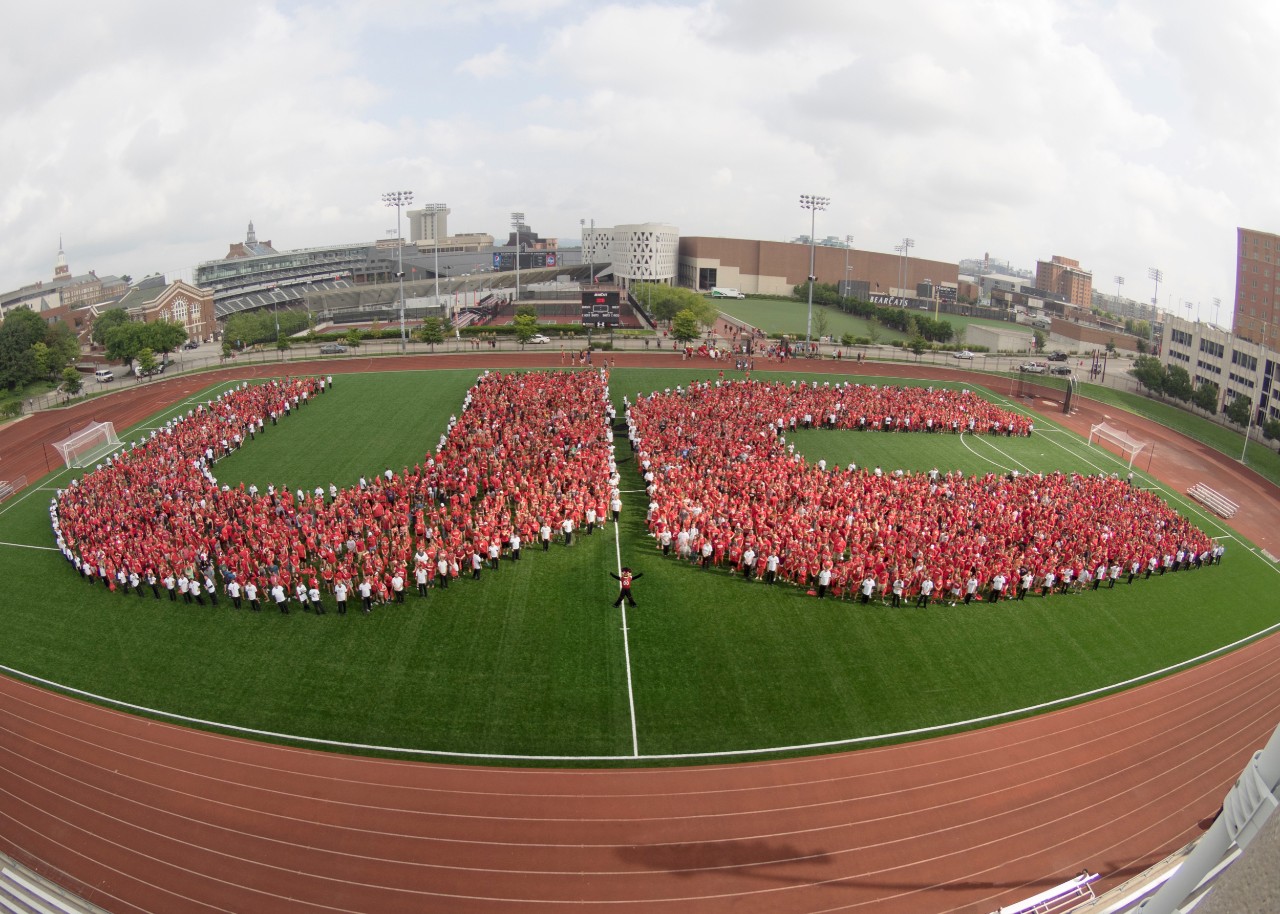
<point x="488" y="65"/>
<point x="1125" y="135"/>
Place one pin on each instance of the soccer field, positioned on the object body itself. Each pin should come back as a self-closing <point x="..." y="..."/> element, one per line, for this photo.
<point x="533" y="663"/>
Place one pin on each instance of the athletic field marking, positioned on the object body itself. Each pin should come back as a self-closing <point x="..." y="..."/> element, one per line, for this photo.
<point x="29" y="492"/>
<point x="1002" y="453"/>
<point x="727" y="753"/>
<point x="980" y="457"/>
<point x="27" y="546"/>
<point x="626" y="649"/>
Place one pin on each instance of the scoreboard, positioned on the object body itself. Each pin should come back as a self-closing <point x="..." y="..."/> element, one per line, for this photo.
<point x="600" y="308"/>
<point x="529" y="260"/>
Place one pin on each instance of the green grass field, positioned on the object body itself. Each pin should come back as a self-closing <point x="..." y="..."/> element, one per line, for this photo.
<point x="533" y="661"/>
<point x="786" y="315"/>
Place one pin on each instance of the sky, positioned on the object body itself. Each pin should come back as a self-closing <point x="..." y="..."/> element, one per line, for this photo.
<point x="1125" y="135"/>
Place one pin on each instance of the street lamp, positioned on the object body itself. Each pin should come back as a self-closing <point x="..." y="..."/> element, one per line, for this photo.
<point x="848" y="243"/>
<point x="435" y="209"/>
<point x="517" y="222"/>
<point x="812" y="204"/>
<point x="398" y="199"/>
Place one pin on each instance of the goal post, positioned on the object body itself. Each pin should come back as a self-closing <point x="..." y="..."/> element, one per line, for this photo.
<point x="88" y="445"/>
<point x="1129" y="446"/>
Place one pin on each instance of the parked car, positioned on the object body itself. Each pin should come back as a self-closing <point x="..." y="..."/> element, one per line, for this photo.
<point x="332" y="349"/>
<point x="104" y="375"/>
<point x="964" y="354"/>
<point x="191" y="344"/>
<point x="158" y="369"/>
<point x="1060" y="369"/>
<point x="539" y="339"/>
<point x="1032" y="368"/>
<point x="1057" y="356"/>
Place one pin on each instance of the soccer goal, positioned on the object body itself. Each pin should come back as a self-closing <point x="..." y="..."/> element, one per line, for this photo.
<point x="89" y="445"/>
<point x="1129" y="446"/>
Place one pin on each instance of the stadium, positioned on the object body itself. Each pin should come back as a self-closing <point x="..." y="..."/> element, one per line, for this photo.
<point x="512" y="741"/>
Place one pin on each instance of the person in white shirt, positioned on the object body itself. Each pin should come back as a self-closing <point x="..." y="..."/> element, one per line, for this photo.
<point x="281" y="598"/>
<point x="926" y="591"/>
<point x="867" y="588"/>
<point x="313" y="594"/>
<point x="566" y="527"/>
<point x="824" y="581"/>
<point x="251" y="594"/>
<point x="340" y="596"/>
<point x="366" y="596"/>
<point x="233" y="591"/>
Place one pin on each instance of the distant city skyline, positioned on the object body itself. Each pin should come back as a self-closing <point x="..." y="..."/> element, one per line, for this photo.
<point x="1125" y="136"/>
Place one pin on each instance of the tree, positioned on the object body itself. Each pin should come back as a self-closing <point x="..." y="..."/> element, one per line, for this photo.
<point x="124" y="340"/>
<point x="1271" y="429"/>
<point x="1038" y="340"/>
<point x="917" y="345"/>
<point x="526" y="327"/>
<point x="1111" y="347"/>
<point x="146" y="361"/>
<point x="40" y="355"/>
<point x="21" y="330"/>
<point x="1177" y="383"/>
<point x="527" y="310"/>
<point x="352" y="338"/>
<point x="873" y="332"/>
<point x="1238" y="410"/>
<point x="821" y="323"/>
<point x="1206" y="396"/>
<point x="1149" y="372"/>
<point x="105" y="322"/>
<point x="165" y="336"/>
<point x="684" y="326"/>
<point x="71" y="384"/>
<point x="431" y="332"/>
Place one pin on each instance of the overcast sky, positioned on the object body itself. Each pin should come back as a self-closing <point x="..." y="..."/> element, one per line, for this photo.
<point x="1127" y="135"/>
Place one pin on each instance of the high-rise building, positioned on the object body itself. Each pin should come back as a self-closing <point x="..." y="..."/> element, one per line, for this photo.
<point x="1256" y="315"/>
<point x="1063" y="276"/>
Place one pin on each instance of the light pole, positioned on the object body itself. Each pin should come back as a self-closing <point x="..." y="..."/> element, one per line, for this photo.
<point x="1157" y="275"/>
<point x="517" y="222"/>
<point x="1217" y="304"/>
<point x="812" y="204"/>
<point x="907" y="245"/>
<point x="1119" y="283"/>
<point x="398" y="199"/>
<point x="435" y="209"/>
<point x="848" y="243"/>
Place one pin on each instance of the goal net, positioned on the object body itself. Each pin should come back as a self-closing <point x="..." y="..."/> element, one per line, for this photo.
<point x="1129" y="446"/>
<point x="89" y="445"/>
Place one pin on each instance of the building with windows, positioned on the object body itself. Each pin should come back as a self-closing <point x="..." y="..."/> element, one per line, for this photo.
<point x="1238" y="366"/>
<point x="1063" y="276"/>
<point x="153" y="299"/>
<point x="65" y="293"/>
<point x="777" y="267"/>
<point x="637" y="252"/>
<point x="1256" y="316"/>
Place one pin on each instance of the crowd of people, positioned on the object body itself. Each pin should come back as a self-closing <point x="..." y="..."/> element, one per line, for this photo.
<point x="529" y="459"/>
<point x="726" y="489"/>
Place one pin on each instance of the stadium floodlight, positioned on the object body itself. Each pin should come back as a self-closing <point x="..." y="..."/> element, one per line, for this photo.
<point x="812" y="203"/>
<point x="517" y="223"/>
<point x="398" y="199"/>
<point x="1119" y="283"/>
<point x="1157" y="275"/>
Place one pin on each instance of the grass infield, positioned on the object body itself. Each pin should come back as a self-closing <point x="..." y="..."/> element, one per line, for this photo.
<point x="531" y="661"/>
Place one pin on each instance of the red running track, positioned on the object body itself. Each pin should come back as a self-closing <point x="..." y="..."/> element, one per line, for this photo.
<point x="137" y="815"/>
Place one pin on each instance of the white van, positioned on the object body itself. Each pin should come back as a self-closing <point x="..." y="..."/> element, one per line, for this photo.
<point x="721" y="292"/>
<point x="104" y="375"/>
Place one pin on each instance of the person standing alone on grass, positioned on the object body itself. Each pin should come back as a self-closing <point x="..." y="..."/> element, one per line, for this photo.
<point x="625" y="579"/>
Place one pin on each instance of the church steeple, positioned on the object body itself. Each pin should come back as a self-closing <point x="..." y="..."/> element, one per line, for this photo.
<point x="60" y="268"/>
<point x="252" y="237"/>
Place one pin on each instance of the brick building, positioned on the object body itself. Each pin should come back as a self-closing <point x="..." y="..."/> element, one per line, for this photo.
<point x="1063" y="276"/>
<point x="1256" y="316"/>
